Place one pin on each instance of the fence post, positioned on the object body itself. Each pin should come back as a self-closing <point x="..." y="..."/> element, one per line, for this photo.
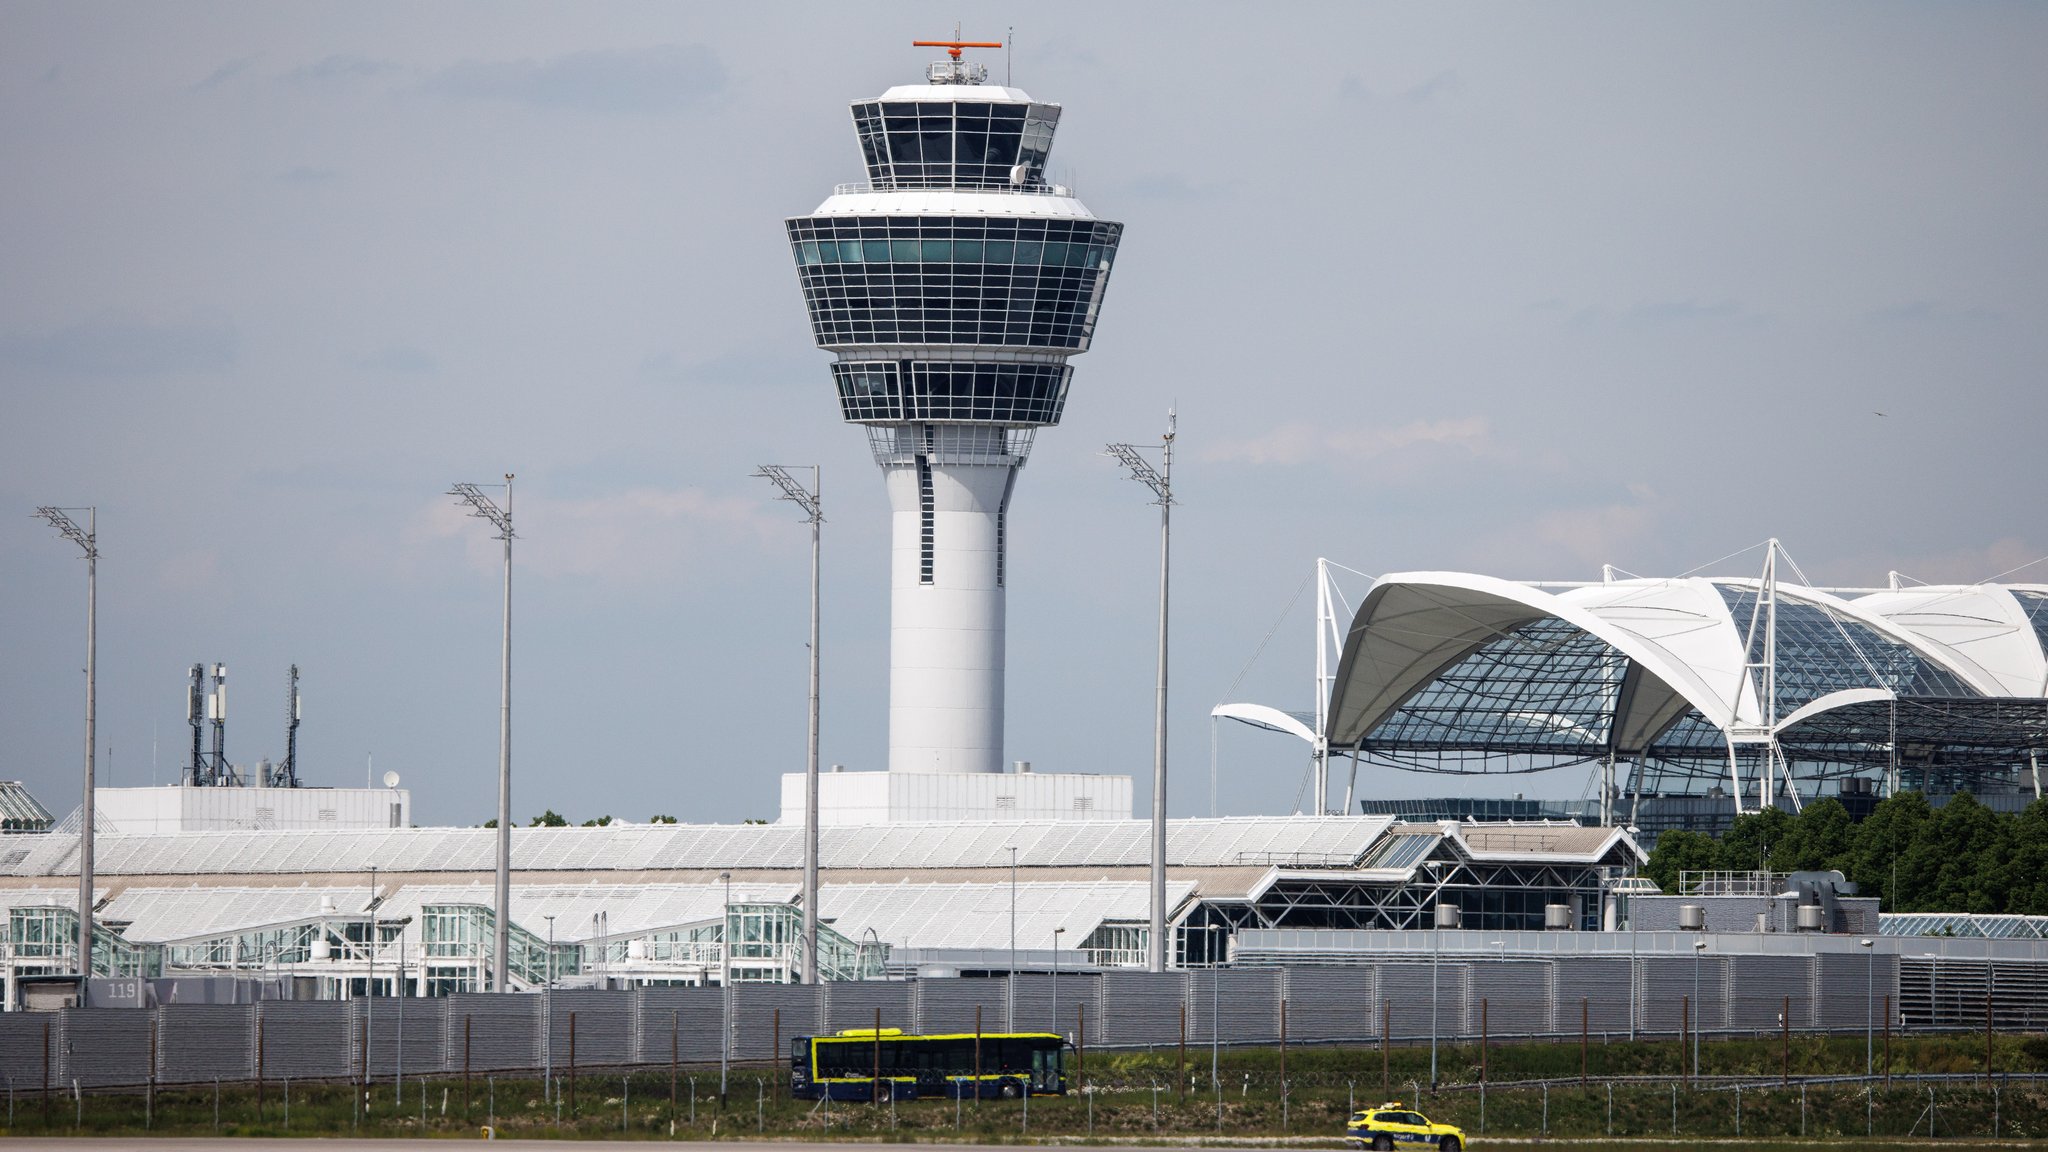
<point x="1887" y="1040"/>
<point x="1183" y="1058"/>
<point x="46" y="1073"/>
<point x="1482" y="1059"/>
<point x="363" y="1089"/>
<point x="1585" y="1020"/>
<point x="149" y="1104"/>
<point x="1684" y="1032"/>
<point x="259" y="1065"/>
<point x="875" y="1086"/>
<point x="977" y="1057"/>
<point x="1785" y="1032"/>
<point x="572" y="1066"/>
<point x="1386" y="1061"/>
<point x="465" y="1067"/>
<point x="1283" y="1064"/>
<point x="774" y="1064"/>
<point x="1081" y="1041"/>
<point x="1987" y="1038"/>
<point x="675" y="1028"/>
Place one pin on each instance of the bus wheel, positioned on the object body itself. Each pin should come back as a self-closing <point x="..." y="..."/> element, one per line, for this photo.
<point x="1010" y="1090"/>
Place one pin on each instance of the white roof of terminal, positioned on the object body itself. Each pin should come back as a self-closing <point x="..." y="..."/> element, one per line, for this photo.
<point x="926" y="914"/>
<point x="1227" y="842"/>
<point x="951" y="915"/>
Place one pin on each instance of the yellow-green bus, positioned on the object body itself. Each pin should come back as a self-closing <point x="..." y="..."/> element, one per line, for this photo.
<point x="863" y="1064"/>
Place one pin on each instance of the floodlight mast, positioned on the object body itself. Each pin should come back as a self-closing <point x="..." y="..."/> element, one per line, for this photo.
<point x="485" y="508"/>
<point x="88" y="539"/>
<point x="1160" y="481"/>
<point x="811" y="501"/>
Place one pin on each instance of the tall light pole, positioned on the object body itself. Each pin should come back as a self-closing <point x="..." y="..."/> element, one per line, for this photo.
<point x="484" y="507"/>
<point x="1056" y="934"/>
<point x="1215" y="1004"/>
<point x="370" y="980"/>
<point x="1436" y="947"/>
<point x="725" y="990"/>
<point x="88" y="539"/>
<point x="1869" y="963"/>
<point x="1160" y="481"/>
<point x="547" y="1034"/>
<point x="1699" y="948"/>
<point x="1010" y="985"/>
<point x="811" y="501"/>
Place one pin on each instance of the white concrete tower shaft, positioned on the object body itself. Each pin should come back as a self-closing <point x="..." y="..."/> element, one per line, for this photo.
<point x="946" y="606"/>
<point x="952" y="287"/>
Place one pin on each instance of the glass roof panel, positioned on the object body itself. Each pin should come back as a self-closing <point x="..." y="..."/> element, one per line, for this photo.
<point x="1546" y="687"/>
<point x="1820" y="650"/>
<point x="2035" y="605"/>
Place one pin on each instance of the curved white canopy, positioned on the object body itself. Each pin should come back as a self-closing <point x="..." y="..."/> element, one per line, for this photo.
<point x="1271" y="719"/>
<point x="1686" y="650"/>
<point x="1984" y="623"/>
<point x="1415" y="625"/>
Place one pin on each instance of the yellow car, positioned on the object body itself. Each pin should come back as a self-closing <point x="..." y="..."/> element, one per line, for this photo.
<point x="1391" y="1123"/>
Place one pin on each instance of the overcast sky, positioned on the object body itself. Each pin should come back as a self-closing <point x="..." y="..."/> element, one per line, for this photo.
<point x="1519" y="289"/>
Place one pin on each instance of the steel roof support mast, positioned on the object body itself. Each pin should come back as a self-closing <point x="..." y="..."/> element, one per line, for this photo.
<point x="501" y="518"/>
<point x="1161" y="483"/>
<point x="810" y="500"/>
<point x="88" y="539"/>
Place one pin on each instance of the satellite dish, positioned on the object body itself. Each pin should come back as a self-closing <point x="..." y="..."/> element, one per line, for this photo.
<point x="391" y="779"/>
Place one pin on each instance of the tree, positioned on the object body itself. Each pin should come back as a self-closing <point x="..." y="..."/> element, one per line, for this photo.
<point x="1818" y="839"/>
<point x="1680" y="851"/>
<point x="1747" y="844"/>
<point x="549" y="819"/>
<point x="1880" y="846"/>
<point x="2026" y="870"/>
<point x="1959" y="860"/>
<point x="600" y="822"/>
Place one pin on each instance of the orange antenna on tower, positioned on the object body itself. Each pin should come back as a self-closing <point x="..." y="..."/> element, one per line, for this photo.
<point x="953" y="47"/>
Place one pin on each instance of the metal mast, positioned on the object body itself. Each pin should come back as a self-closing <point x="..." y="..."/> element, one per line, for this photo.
<point x="1160" y="481"/>
<point x="811" y="501"/>
<point x="195" y="714"/>
<point x="88" y="539"/>
<point x="288" y="775"/>
<point x="217" y="712"/>
<point x="483" y="507"/>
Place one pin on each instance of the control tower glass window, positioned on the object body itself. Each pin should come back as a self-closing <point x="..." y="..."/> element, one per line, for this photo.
<point x="1012" y="283"/>
<point x="965" y="144"/>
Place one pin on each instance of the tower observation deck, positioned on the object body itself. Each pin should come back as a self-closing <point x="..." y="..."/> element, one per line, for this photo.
<point x="951" y="286"/>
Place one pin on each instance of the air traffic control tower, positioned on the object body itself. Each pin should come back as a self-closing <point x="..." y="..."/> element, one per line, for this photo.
<point x="952" y="286"/>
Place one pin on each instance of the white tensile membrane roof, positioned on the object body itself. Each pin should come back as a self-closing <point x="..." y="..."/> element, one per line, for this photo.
<point x="1681" y="635"/>
<point x="685" y="847"/>
<point x="2002" y="628"/>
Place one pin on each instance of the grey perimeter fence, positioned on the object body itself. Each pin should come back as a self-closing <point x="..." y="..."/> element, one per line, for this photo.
<point x="1605" y="997"/>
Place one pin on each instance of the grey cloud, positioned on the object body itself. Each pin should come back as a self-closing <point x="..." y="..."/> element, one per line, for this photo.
<point x="225" y="73"/>
<point x="1440" y="85"/>
<point x="1172" y="186"/>
<point x="665" y="78"/>
<point x="1932" y="312"/>
<point x="305" y="175"/>
<point x="114" y="346"/>
<point x="1652" y="313"/>
<point x="394" y="360"/>
<point x="340" y="67"/>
